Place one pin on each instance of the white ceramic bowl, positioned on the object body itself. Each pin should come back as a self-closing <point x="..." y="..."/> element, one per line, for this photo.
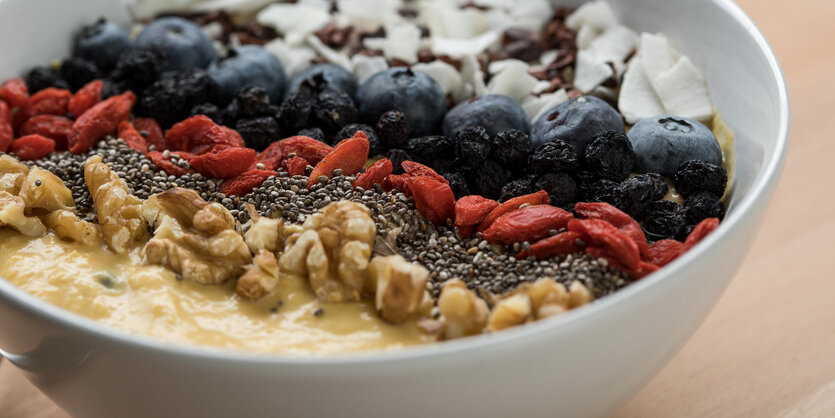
<point x="584" y="363"/>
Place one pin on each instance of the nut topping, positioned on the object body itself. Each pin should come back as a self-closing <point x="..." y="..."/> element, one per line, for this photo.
<point x="464" y="313"/>
<point x="399" y="287"/>
<point x="260" y="278"/>
<point x="119" y="212"/>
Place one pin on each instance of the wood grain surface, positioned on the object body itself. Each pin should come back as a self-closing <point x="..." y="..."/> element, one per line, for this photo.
<point x="767" y="348"/>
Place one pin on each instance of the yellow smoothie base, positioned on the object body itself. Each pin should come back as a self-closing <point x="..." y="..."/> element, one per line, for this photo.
<point x="119" y="291"/>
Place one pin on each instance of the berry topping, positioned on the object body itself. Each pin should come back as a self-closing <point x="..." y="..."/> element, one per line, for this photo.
<point x="248" y="65"/>
<point x="349" y="130"/>
<point x="102" y="43"/>
<point x="554" y="155"/>
<point x="40" y="78"/>
<point x="577" y="122"/>
<point x="519" y="187"/>
<point x="634" y="195"/>
<point x="78" y="72"/>
<point x="322" y="76"/>
<point x="181" y="42"/>
<point x="258" y="132"/>
<point x="411" y="92"/>
<point x="428" y="149"/>
<point x="609" y="156"/>
<point x="663" y="143"/>
<point x="703" y="205"/>
<point x="494" y="112"/>
<point x="694" y="176"/>
<point x="664" y="220"/>
<point x="333" y="110"/>
<point x="561" y="188"/>
<point x="393" y="127"/>
<point x="512" y="148"/>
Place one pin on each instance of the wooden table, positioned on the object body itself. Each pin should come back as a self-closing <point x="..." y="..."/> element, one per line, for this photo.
<point x="767" y="348"/>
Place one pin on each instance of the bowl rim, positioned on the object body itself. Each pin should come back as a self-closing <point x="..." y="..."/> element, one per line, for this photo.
<point x="765" y="181"/>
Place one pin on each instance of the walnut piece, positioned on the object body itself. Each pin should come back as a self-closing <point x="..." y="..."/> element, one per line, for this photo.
<point x="12" y="214"/>
<point x="194" y="238"/>
<point x="578" y="295"/>
<point x="399" y="287"/>
<point x="12" y="174"/>
<point x="67" y="225"/>
<point x="119" y="212"/>
<point x="548" y="298"/>
<point x="264" y="233"/>
<point x="509" y="312"/>
<point x="43" y="190"/>
<point x="333" y="251"/>
<point x="464" y="313"/>
<point x="260" y="278"/>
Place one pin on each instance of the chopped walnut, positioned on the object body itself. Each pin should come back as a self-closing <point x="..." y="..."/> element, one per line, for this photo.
<point x="12" y="214"/>
<point x="44" y="190"/>
<point x="12" y="174"/>
<point x="399" y="287"/>
<point x="260" y="278"/>
<point x="333" y="251"/>
<point x="119" y="212"/>
<point x="509" y="312"/>
<point x="264" y="233"/>
<point x="548" y="298"/>
<point x="578" y="295"/>
<point x="464" y="313"/>
<point x="194" y="238"/>
<point x="68" y="226"/>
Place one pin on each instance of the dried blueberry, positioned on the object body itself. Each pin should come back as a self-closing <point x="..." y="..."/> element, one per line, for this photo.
<point x="258" y="133"/>
<point x="322" y="76"/>
<point x="521" y="186"/>
<point x="694" y="176"/>
<point x="577" y="121"/>
<point x="208" y="109"/>
<point x="561" y="187"/>
<point x="409" y="91"/>
<point x="397" y="156"/>
<point x="598" y="191"/>
<point x="472" y="147"/>
<point x="552" y="156"/>
<point x="42" y="77"/>
<point x="163" y="101"/>
<point x="427" y="149"/>
<point x="253" y="101"/>
<point x="393" y="127"/>
<point x="458" y="184"/>
<point x="660" y="186"/>
<point x="197" y="87"/>
<point x="333" y="110"/>
<point x="314" y="133"/>
<point x="703" y="205"/>
<point x="78" y="72"/>
<point x="512" y="148"/>
<point x="635" y="194"/>
<point x="488" y="179"/>
<point x="609" y="156"/>
<point x="663" y="143"/>
<point x="664" y="219"/>
<point x="373" y="140"/>
<point x="137" y="68"/>
<point x="102" y="43"/>
<point x="494" y="112"/>
<point x="294" y="113"/>
<point x="182" y="44"/>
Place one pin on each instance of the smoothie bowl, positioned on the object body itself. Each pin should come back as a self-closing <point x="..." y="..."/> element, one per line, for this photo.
<point x="253" y="209"/>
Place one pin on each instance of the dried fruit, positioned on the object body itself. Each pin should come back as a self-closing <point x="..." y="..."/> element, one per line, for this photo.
<point x="100" y="120"/>
<point x="197" y="135"/>
<point x="663" y="252"/>
<point x="702" y="205"/>
<point x="433" y="199"/>
<point x="554" y="155"/>
<point x="393" y="129"/>
<point x="233" y="138"/>
<point x="694" y="176"/>
<point x="167" y="165"/>
<point x="538" y="198"/>
<point x="616" y="217"/>
<point x="295" y="166"/>
<point x="6" y="135"/>
<point x="224" y="163"/>
<point x="49" y="101"/>
<point x="349" y="155"/>
<point x="530" y="224"/>
<point x="375" y="174"/>
<point x="701" y="230"/>
<point x="149" y="128"/>
<point x="609" y="156"/>
<point x="132" y="137"/>
<point x="306" y="147"/>
<point x="6" y="115"/>
<point x="567" y="242"/>
<point x="14" y="92"/>
<point x="396" y="182"/>
<point x="54" y="127"/>
<point x="599" y="233"/>
<point x="270" y="158"/>
<point x="413" y="169"/>
<point x="86" y="97"/>
<point x="471" y="210"/>
<point x="245" y="182"/>
<point x="32" y="147"/>
<point x="665" y="219"/>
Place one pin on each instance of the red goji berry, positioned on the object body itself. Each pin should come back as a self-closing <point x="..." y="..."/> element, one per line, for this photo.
<point x="349" y="155"/>
<point x="597" y="232"/>
<point x="167" y="165"/>
<point x="466" y="231"/>
<point x="85" y="98"/>
<point x="6" y="135"/>
<point x="100" y="120"/>
<point x="32" y="147"/>
<point x="132" y="137"/>
<point x="233" y="137"/>
<point x="433" y="199"/>
<point x="49" y="101"/>
<point x="414" y="169"/>
<point x="471" y="210"/>
<point x="270" y="157"/>
<point x="375" y="174"/>
<point x="701" y="230"/>
<point x="396" y="182"/>
<point x="6" y="112"/>
<point x="149" y="128"/>
<point x="616" y="217"/>
<point x="14" y="92"/>
<point x="561" y="244"/>
<point x="245" y="182"/>
<point x="306" y="147"/>
<point x="225" y="163"/>
<point x="295" y="165"/>
<point x="530" y="223"/>
<point x="663" y="252"/>
<point x="642" y="270"/>
<point x="54" y="127"/>
<point x="538" y="198"/>
<point x="197" y="135"/>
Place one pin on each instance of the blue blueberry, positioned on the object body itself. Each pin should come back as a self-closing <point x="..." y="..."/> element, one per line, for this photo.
<point x="249" y="65"/>
<point x="494" y="112"/>
<point x="181" y="42"/>
<point x="325" y="75"/>
<point x="102" y="43"/>
<point x="577" y="122"/>
<point x="663" y="143"/>
<point x="411" y="92"/>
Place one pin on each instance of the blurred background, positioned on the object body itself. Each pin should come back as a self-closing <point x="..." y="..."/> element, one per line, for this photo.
<point x="766" y="350"/>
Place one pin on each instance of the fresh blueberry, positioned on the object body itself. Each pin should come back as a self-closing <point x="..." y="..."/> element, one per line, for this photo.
<point x="411" y="92"/>
<point x="577" y="122"/>
<point x="494" y="112"/>
<point x="325" y="75"/>
<point x="663" y="143"/>
<point x="181" y="42"/>
<point x="249" y="65"/>
<point x="102" y="43"/>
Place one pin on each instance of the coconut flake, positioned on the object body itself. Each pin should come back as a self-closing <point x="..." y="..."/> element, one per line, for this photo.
<point x="401" y="42"/>
<point x="241" y="6"/>
<point x="531" y="14"/>
<point x="590" y="71"/>
<point x="638" y="99"/>
<point x="294" y="59"/>
<point x="535" y="107"/>
<point x="614" y="44"/>
<point x="472" y="77"/>
<point x="364" y="66"/>
<point x="683" y="91"/>
<point x="458" y="48"/>
<point x="657" y="54"/>
<point x="329" y="54"/>
<point x="368" y="15"/>
<point x="511" y="79"/>
<point x="444" y="74"/>
<point x="296" y="21"/>
<point x="596" y="14"/>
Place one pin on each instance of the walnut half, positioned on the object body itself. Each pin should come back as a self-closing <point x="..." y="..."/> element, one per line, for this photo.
<point x="464" y="313"/>
<point x="12" y="215"/>
<point x="119" y="212"/>
<point x="398" y="286"/>
<point x="67" y="225"/>
<point x="260" y="278"/>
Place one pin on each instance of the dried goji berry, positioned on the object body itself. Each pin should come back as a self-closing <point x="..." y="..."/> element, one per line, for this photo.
<point x="642" y="270"/>
<point x="349" y="155"/>
<point x="233" y="137"/>
<point x="32" y="147"/>
<point x="85" y="98"/>
<point x="49" y="101"/>
<point x="224" y="164"/>
<point x="538" y="198"/>
<point x="701" y="230"/>
<point x="197" y="135"/>
<point x="396" y="182"/>
<point x="100" y="120"/>
<point x="149" y="128"/>
<point x="471" y="210"/>
<point x="466" y="231"/>
<point x="433" y="199"/>
<point x="54" y="127"/>
<point x="245" y="182"/>
<point x="6" y="112"/>
<point x="295" y="165"/>
<point x="167" y="165"/>
<point x="270" y="157"/>
<point x="413" y="169"/>
<point x="375" y="174"/>
<point x="6" y="135"/>
<point x="662" y="252"/>
<point x="530" y="223"/>
<point x="132" y="137"/>
<point x="306" y="147"/>
<point x="561" y="244"/>
<point x="597" y="232"/>
<point x="616" y="217"/>
<point x="14" y="92"/>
